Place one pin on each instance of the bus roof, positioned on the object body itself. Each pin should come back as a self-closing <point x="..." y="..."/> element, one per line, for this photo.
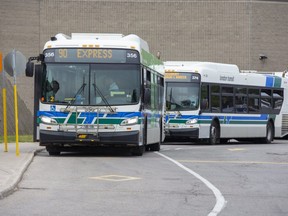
<point x="107" y="41"/>
<point x="226" y="74"/>
<point x="98" y="40"/>
<point x="195" y="66"/>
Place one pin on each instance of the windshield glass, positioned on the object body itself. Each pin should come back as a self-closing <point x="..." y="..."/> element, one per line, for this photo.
<point x="91" y="84"/>
<point x="182" y="96"/>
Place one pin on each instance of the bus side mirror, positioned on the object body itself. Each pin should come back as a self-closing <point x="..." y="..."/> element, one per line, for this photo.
<point x="29" y="69"/>
<point x="147" y="96"/>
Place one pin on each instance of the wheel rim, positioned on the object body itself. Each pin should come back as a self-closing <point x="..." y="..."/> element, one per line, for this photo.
<point x="213" y="134"/>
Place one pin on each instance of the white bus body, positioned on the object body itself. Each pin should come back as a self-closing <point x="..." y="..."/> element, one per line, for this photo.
<point x="110" y="92"/>
<point x="216" y="102"/>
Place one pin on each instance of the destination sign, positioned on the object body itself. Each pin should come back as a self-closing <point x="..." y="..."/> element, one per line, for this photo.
<point x="182" y="77"/>
<point x="89" y="55"/>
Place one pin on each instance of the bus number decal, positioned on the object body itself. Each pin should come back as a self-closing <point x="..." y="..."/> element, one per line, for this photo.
<point x="131" y="55"/>
<point x="49" y="54"/>
<point x="195" y="78"/>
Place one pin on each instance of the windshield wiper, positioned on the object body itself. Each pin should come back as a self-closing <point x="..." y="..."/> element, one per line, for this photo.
<point x="97" y="90"/>
<point x="80" y="90"/>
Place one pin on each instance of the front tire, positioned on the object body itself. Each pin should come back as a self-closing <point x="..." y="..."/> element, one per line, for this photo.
<point x="138" y="151"/>
<point x="214" y="133"/>
<point x="53" y="151"/>
<point x="155" y="146"/>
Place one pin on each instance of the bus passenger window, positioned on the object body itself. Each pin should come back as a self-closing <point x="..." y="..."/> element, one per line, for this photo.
<point x="277" y="99"/>
<point x="254" y="100"/>
<point x="204" y="104"/>
<point x="241" y="104"/>
<point x="204" y="98"/>
<point x="253" y="105"/>
<point x="266" y="104"/>
<point x="215" y="103"/>
<point x="227" y="104"/>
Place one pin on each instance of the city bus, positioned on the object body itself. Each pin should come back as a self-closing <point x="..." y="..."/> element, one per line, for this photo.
<point x="98" y="90"/>
<point x="214" y="103"/>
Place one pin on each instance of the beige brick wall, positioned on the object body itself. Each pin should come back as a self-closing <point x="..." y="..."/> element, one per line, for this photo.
<point x="19" y="29"/>
<point x="227" y="31"/>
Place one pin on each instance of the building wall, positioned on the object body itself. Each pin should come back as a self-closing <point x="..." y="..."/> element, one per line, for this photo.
<point x="226" y="31"/>
<point x="19" y="29"/>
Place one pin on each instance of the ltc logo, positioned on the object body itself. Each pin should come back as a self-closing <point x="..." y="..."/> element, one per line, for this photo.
<point x="52" y="108"/>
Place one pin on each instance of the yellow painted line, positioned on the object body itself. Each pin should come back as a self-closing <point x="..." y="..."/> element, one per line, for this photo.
<point x="237" y="149"/>
<point x="114" y="178"/>
<point x="235" y="162"/>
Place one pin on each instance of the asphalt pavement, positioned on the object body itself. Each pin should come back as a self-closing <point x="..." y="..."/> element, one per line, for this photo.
<point x="12" y="167"/>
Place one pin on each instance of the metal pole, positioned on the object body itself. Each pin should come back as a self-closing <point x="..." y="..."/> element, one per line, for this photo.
<point x="15" y="104"/>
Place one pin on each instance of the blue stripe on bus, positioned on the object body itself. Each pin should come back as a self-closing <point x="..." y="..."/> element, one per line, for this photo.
<point x="89" y="114"/>
<point x="269" y="81"/>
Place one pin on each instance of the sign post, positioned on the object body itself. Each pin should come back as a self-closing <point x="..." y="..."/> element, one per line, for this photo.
<point x="14" y="64"/>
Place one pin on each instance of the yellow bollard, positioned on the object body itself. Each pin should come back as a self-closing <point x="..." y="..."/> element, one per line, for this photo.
<point x="5" y="120"/>
<point x="16" y="120"/>
<point x="4" y="106"/>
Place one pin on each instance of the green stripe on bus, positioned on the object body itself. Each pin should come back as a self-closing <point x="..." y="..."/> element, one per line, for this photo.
<point x="148" y="59"/>
<point x="247" y="122"/>
<point x="222" y="122"/>
<point x="72" y="119"/>
<point x="178" y="121"/>
<point x="277" y="82"/>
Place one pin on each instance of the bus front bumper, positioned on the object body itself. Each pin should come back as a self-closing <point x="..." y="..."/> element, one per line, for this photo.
<point x="127" y="138"/>
<point x="183" y="132"/>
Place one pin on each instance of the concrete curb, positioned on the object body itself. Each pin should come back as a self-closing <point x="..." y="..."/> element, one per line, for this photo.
<point x="17" y="175"/>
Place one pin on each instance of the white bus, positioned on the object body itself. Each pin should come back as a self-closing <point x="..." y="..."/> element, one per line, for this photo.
<point x="98" y="90"/>
<point x="216" y="102"/>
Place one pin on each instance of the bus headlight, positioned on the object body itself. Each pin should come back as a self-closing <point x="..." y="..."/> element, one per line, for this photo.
<point x="130" y="121"/>
<point x="47" y="120"/>
<point x="191" y="121"/>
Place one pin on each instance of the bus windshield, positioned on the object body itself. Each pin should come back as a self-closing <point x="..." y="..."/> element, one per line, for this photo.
<point x="182" y="96"/>
<point x="91" y="84"/>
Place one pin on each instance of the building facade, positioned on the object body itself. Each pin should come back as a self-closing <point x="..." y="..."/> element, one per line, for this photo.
<point x="249" y="33"/>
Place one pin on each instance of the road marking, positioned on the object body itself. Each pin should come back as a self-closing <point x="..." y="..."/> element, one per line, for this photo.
<point x="115" y="178"/>
<point x="237" y="149"/>
<point x="220" y="200"/>
<point x="236" y="162"/>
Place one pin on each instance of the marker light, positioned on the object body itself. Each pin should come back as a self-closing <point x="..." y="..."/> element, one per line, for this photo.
<point x="191" y="121"/>
<point x="130" y="121"/>
<point x="47" y="120"/>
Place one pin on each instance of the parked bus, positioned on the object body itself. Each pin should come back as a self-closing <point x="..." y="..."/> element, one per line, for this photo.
<point x="216" y="102"/>
<point x="98" y="90"/>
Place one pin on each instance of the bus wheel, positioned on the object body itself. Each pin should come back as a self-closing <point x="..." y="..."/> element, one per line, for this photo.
<point x="214" y="133"/>
<point x="53" y="151"/>
<point x="155" y="146"/>
<point x="138" y="151"/>
<point x="269" y="133"/>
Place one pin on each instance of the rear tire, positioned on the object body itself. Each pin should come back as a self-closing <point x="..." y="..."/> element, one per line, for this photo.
<point x="269" y="133"/>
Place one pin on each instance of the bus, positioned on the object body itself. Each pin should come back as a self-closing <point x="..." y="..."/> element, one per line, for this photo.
<point x="214" y="103"/>
<point x="98" y="90"/>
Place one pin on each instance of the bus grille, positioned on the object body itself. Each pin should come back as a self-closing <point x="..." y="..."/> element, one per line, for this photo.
<point x="284" y="124"/>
